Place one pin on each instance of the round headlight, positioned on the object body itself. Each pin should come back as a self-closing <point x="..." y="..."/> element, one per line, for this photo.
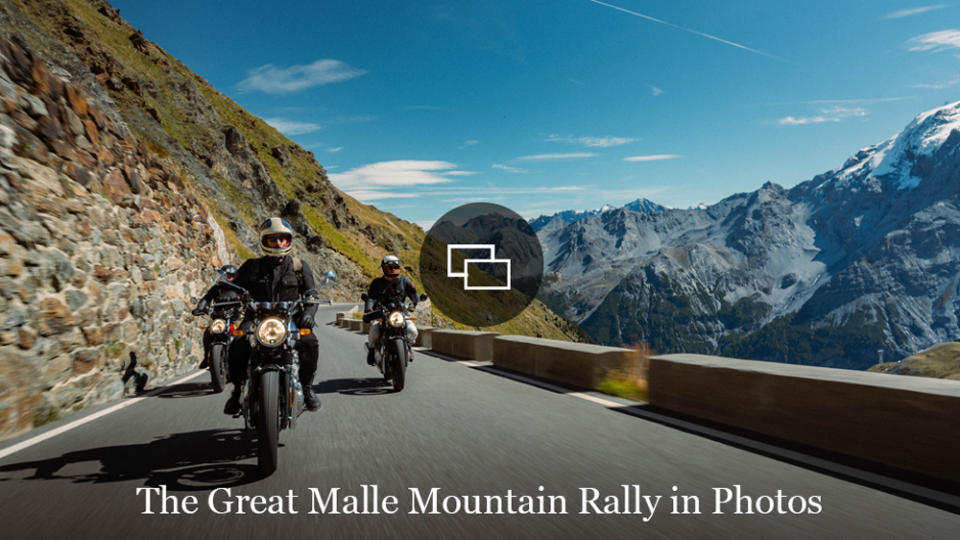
<point x="395" y="319"/>
<point x="271" y="332"/>
<point x="218" y="326"/>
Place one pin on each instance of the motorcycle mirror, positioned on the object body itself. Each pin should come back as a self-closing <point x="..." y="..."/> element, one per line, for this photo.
<point x="423" y="296"/>
<point x="364" y="297"/>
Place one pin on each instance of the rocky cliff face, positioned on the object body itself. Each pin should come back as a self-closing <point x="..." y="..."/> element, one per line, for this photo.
<point x="102" y="244"/>
<point x="124" y="179"/>
<point x="860" y="259"/>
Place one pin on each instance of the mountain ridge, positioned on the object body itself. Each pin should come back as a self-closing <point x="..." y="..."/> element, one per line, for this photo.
<point x="828" y="272"/>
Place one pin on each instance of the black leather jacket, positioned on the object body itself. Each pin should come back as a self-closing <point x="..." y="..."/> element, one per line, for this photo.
<point x="381" y="288"/>
<point x="221" y="291"/>
<point x="272" y="279"/>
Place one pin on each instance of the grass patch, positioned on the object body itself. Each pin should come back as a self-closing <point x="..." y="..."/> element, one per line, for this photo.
<point x="50" y="414"/>
<point x="941" y="361"/>
<point x="635" y="390"/>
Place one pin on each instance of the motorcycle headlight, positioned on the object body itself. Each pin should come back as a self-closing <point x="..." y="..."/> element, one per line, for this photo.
<point x="218" y="326"/>
<point x="395" y="319"/>
<point x="271" y="332"/>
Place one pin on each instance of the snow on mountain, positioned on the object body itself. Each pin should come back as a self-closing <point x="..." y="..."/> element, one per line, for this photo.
<point x="861" y="258"/>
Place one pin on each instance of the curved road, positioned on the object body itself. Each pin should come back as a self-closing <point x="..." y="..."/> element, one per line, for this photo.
<point x="464" y="431"/>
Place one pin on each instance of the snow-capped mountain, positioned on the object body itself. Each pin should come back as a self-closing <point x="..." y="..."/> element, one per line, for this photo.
<point x="859" y="259"/>
<point x="571" y="216"/>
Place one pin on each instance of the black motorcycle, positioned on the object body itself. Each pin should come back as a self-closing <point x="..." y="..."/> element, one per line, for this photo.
<point x="272" y="397"/>
<point x="224" y="319"/>
<point x="392" y="352"/>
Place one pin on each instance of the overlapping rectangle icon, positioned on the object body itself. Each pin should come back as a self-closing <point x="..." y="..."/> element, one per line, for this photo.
<point x="466" y="264"/>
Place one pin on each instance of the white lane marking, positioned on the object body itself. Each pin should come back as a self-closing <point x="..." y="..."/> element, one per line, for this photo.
<point x="470" y="363"/>
<point x="77" y="423"/>
<point x="595" y="399"/>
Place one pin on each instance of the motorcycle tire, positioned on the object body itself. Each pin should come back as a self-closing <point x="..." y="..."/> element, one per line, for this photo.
<point x="218" y="368"/>
<point x="268" y="422"/>
<point x="399" y="368"/>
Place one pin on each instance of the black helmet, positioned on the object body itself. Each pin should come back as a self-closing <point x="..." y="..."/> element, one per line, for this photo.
<point x="391" y="266"/>
<point x="229" y="271"/>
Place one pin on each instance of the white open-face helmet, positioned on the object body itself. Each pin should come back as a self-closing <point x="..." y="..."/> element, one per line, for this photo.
<point x="390" y="266"/>
<point x="276" y="237"/>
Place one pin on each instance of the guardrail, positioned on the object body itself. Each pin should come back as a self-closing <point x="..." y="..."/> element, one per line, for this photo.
<point x="905" y="422"/>
<point x="463" y="344"/>
<point x="576" y="364"/>
<point x="908" y="423"/>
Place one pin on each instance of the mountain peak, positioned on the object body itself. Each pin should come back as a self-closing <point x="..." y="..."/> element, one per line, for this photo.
<point x="894" y="158"/>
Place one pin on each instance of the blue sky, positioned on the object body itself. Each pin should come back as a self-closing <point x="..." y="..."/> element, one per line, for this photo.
<point x="547" y="105"/>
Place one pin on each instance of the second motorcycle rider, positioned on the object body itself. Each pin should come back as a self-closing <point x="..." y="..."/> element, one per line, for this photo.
<point x="277" y="277"/>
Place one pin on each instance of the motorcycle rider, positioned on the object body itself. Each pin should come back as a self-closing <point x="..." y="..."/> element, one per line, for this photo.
<point x="391" y="285"/>
<point x="219" y="292"/>
<point x="277" y="277"/>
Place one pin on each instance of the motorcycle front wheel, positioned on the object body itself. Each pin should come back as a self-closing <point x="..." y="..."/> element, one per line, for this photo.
<point x="399" y="368"/>
<point x="218" y="367"/>
<point x="268" y="422"/>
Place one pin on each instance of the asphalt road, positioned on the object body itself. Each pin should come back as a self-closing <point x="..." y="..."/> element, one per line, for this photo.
<point x="464" y="431"/>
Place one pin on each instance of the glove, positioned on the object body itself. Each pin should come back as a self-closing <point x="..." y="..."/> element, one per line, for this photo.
<point x="306" y="321"/>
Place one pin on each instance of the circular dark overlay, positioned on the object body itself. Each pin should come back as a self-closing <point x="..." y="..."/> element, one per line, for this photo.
<point x="481" y="264"/>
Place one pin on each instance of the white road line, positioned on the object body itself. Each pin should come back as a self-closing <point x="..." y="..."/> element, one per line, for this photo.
<point x="595" y="399"/>
<point x="470" y="363"/>
<point x="77" y="423"/>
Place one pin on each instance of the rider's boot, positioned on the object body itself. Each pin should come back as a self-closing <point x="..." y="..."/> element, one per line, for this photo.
<point x="371" y="359"/>
<point x="232" y="406"/>
<point x="310" y="399"/>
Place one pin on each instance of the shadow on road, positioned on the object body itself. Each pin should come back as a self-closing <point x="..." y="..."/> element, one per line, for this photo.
<point x="187" y="390"/>
<point x="354" y="387"/>
<point x="198" y="460"/>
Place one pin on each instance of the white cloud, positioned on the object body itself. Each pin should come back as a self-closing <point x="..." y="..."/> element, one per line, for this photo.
<point x="831" y="114"/>
<point x="470" y="142"/>
<point x="652" y="157"/>
<point x="591" y="142"/>
<point x="573" y="155"/>
<point x="289" y="127"/>
<point x="335" y="149"/>
<point x="914" y="11"/>
<point x="282" y="80"/>
<point x="654" y="90"/>
<point x="374" y="195"/>
<point x="395" y="173"/>
<point x="507" y="168"/>
<point x="940" y="85"/>
<point x="936" y="41"/>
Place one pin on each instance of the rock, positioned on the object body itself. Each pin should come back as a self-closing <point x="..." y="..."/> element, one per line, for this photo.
<point x="56" y="318"/>
<point x="76" y="299"/>
<point x="34" y="106"/>
<point x="74" y="124"/>
<point x="133" y="178"/>
<point x="57" y="369"/>
<point x="92" y="132"/>
<point x="41" y="79"/>
<point x="26" y="338"/>
<point x="115" y="186"/>
<point x="77" y="101"/>
<point x="8" y="139"/>
<point x="79" y="174"/>
<point x="87" y="360"/>
<point x="93" y="335"/>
